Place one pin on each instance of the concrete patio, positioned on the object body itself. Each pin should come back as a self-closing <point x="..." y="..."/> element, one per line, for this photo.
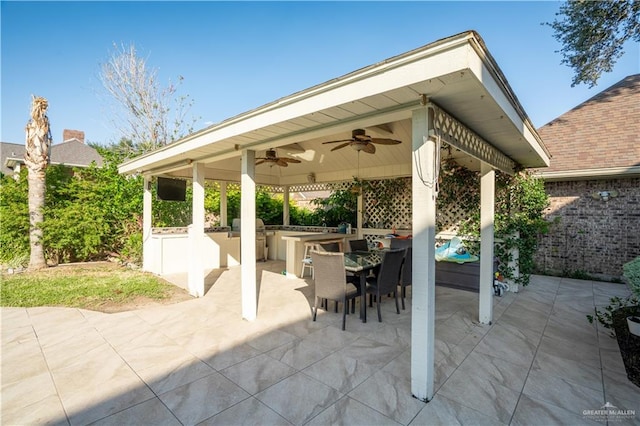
<point x="198" y="362"/>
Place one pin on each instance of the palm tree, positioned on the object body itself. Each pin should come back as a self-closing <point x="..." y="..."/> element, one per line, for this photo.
<point x="36" y="158"/>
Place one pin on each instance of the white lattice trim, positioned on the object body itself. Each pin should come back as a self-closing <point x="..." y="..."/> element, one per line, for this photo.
<point x="457" y="134"/>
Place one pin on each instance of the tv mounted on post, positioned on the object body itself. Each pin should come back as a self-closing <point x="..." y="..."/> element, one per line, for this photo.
<point x="171" y="189"/>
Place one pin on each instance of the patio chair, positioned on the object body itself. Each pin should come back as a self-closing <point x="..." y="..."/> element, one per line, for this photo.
<point x="358" y="245"/>
<point x="386" y="282"/>
<point x="407" y="267"/>
<point x="330" y="247"/>
<point x="331" y="282"/>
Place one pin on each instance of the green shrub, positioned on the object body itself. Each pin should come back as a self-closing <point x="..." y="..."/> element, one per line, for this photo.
<point x="631" y="271"/>
<point x="14" y="219"/>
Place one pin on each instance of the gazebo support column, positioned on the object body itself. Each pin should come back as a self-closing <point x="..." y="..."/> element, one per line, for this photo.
<point x="424" y="232"/>
<point x="147" y="208"/>
<point x="487" y="200"/>
<point x="196" y="234"/>
<point x="224" y="221"/>
<point x="359" y="210"/>
<point x="248" y="235"/>
<point x="285" y="206"/>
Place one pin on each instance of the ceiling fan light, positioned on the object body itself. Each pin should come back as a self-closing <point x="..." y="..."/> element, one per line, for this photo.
<point x="358" y="146"/>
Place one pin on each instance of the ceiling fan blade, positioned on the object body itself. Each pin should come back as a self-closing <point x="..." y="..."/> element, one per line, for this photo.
<point x="385" y="141"/>
<point x="290" y="160"/>
<point x="281" y="163"/>
<point x="344" y="140"/>
<point x="369" y="148"/>
<point x="259" y="162"/>
<point x="341" y="146"/>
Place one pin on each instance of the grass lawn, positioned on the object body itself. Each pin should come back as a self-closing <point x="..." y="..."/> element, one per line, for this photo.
<point x="100" y="286"/>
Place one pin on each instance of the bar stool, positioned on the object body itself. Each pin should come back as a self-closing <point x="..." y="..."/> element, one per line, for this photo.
<point x="306" y="259"/>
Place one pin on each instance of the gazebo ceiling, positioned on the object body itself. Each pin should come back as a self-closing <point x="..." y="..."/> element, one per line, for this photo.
<point x="456" y="73"/>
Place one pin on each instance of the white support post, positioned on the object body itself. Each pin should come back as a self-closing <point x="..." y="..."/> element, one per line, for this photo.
<point x="487" y="201"/>
<point x="424" y="232"/>
<point x="359" y="213"/>
<point x="196" y="234"/>
<point x="285" y="206"/>
<point x="514" y="264"/>
<point x="224" y="221"/>
<point x="147" y="208"/>
<point x="248" y="236"/>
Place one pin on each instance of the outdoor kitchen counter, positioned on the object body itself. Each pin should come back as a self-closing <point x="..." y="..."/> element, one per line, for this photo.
<point x="295" y="247"/>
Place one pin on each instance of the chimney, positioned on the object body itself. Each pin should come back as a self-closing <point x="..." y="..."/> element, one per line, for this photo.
<point x="72" y="134"/>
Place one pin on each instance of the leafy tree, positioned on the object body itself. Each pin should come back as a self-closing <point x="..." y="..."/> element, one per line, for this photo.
<point x="593" y="33"/>
<point x="340" y="206"/>
<point x="145" y="113"/>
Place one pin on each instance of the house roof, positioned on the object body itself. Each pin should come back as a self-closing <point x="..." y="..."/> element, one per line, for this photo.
<point x="71" y="153"/>
<point x="598" y="138"/>
<point x="456" y="73"/>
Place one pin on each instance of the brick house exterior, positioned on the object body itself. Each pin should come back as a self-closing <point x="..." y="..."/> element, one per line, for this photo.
<point x="594" y="185"/>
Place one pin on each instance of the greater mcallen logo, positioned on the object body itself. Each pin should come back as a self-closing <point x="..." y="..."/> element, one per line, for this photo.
<point x="609" y="412"/>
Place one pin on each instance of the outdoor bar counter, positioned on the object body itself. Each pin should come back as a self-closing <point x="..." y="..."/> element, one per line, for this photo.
<point x="295" y="245"/>
<point x="169" y="246"/>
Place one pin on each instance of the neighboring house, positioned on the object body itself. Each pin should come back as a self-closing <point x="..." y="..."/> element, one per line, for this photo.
<point x="71" y="152"/>
<point x="594" y="185"/>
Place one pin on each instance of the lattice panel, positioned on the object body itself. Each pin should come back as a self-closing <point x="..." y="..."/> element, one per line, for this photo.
<point x="397" y="213"/>
<point x="308" y="187"/>
<point x="452" y="217"/>
<point x="457" y="134"/>
<point x="384" y="209"/>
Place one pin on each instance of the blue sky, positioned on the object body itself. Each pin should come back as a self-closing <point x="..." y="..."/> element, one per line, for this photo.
<point x="237" y="56"/>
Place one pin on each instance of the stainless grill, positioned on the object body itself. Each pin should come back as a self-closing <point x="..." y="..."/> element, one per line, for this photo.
<point x="261" y="237"/>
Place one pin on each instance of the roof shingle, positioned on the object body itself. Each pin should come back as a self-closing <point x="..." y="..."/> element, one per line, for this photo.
<point x="602" y="132"/>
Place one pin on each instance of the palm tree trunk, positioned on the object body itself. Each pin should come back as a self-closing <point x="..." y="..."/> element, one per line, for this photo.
<point x="36" y="158"/>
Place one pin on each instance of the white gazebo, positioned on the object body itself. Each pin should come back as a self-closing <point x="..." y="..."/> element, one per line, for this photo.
<point x="450" y="91"/>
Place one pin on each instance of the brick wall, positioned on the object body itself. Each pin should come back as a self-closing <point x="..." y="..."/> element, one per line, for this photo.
<point x="591" y="235"/>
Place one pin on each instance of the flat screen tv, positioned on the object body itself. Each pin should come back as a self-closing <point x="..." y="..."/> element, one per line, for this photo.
<point x="171" y="189"/>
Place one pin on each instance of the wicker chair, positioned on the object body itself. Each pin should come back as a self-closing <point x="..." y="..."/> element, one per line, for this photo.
<point x="407" y="267"/>
<point x="329" y="247"/>
<point x="386" y="282"/>
<point x="331" y="282"/>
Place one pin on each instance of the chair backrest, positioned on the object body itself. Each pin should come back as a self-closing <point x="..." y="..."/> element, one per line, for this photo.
<point x="401" y="243"/>
<point x="330" y="247"/>
<point x="358" y="245"/>
<point x="330" y="276"/>
<point x="407" y="266"/>
<point x="389" y="276"/>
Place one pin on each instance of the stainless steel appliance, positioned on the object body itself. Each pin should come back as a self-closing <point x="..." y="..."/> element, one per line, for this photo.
<point x="261" y="237"/>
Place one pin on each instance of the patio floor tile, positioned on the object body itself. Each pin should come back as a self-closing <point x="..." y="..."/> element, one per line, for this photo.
<point x="310" y="396"/>
<point x="441" y="411"/>
<point x="533" y="412"/>
<point x="348" y="411"/>
<point x="249" y="412"/>
<point x="199" y="400"/>
<point x="199" y="362"/>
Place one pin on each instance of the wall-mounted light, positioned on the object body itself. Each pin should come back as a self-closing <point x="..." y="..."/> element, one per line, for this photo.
<point x="604" y="195"/>
<point x="311" y="178"/>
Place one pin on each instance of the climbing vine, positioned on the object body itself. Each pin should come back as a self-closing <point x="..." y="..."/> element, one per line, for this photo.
<point x="520" y="203"/>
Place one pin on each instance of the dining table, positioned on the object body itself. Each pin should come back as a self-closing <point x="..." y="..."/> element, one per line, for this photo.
<point x="361" y="263"/>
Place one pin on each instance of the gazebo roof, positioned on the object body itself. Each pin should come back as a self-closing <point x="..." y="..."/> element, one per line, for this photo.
<point x="456" y="73"/>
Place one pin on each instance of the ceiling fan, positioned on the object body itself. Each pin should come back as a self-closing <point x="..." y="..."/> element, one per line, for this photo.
<point x="272" y="157"/>
<point x="360" y="141"/>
